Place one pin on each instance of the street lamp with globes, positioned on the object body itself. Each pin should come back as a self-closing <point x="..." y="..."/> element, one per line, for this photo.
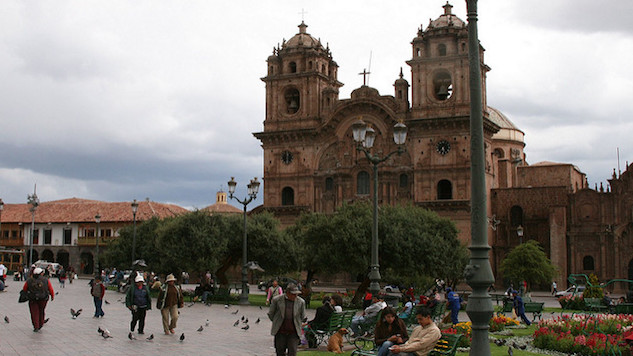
<point x="97" y="265"/>
<point x="134" y="210"/>
<point x="253" y="188"/>
<point x="364" y="136"/>
<point x="520" y="234"/>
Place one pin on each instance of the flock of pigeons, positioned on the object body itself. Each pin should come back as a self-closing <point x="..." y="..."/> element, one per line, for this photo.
<point x="514" y="345"/>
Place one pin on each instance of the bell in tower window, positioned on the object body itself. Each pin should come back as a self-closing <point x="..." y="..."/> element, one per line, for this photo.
<point x="292" y="100"/>
<point x="442" y="86"/>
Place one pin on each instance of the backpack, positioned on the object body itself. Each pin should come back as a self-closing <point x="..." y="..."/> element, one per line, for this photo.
<point x="38" y="288"/>
<point x="96" y="290"/>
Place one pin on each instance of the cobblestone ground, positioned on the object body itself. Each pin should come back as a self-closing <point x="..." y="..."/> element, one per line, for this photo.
<point x="63" y="335"/>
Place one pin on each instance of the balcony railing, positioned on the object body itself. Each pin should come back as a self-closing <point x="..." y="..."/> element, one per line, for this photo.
<point x="91" y="240"/>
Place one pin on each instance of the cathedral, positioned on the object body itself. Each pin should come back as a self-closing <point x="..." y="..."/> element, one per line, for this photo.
<point x="311" y="163"/>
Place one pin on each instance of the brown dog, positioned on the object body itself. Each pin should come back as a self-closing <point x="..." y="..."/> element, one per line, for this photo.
<point x="335" y="344"/>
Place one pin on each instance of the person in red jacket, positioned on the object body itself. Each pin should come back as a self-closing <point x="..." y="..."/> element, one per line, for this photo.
<point x="39" y="288"/>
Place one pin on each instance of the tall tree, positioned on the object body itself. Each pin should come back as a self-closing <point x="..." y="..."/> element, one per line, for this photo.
<point x="528" y="262"/>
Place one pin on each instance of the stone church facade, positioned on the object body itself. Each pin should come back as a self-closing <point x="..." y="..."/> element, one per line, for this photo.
<point x="311" y="163"/>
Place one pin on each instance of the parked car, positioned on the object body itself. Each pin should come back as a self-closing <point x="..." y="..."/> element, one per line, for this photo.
<point x="389" y="288"/>
<point x="569" y="291"/>
<point x="283" y="282"/>
<point x="45" y="264"/>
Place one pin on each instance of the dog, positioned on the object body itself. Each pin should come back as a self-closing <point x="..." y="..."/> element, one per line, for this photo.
<point x="335" y="343"/>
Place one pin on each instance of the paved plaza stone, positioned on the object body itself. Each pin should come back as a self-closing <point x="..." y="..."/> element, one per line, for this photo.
<point x="63" y="335"/>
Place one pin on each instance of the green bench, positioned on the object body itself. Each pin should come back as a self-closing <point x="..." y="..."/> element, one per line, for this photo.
<point x="536" y="308"/>
<point x="445" y="346"/>
<point x="335" y="322"/>
<point x="595" y="304"/>
<point x="624" y="308"/>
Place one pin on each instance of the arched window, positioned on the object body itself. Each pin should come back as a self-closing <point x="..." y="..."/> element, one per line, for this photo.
<point x="293" y="67"/>
<point x="362" y="183"/>
<point x="587" y="263"/>
<point x="516" y="216"/>
<point x="287" y="196"/>
<point x="441" y="49"/>
<point x="404" y="180"/>
<point x="444" y="190"/>
<point x="329" y="184"/>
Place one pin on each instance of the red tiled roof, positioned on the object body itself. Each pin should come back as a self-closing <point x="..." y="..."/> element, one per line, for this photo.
<point x="83" y="210"/>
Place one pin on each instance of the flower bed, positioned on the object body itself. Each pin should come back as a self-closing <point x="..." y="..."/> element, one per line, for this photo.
<point x="598" y="334"/>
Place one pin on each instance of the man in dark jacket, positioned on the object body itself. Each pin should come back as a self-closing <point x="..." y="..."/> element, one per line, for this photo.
<point x="138" y="300"/>
<point x="519" y="307"/>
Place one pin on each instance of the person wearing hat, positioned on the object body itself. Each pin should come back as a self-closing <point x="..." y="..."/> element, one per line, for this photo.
<point x="169" y="300"/>
<point x="138" y="300"/>
<point x="287" y="312"/>
<point x="39" y="288"/>
<point x="519" y="307"/>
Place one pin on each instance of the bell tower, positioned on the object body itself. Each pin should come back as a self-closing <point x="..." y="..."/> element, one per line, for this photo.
<point x="301" y="93"/>
<point x="301" y="84"/>
<point x="439" y="69"/>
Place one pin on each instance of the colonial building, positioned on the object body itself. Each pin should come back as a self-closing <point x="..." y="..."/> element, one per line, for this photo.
<point x="311" y="162"/>
<point x="65" y="230"/>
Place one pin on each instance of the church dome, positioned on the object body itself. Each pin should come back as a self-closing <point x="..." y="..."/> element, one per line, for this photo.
<point x="447" y="19"/>
<point x="508" y="130"/>
<point x="302" y="39"/>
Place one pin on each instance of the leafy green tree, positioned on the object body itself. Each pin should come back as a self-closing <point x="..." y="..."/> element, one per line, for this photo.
<point x="331" y="243"/>
<point x="528" y="262"/>
<point x="267" y="245"/>
<point x="199" y="242"/>
<point x="416" y="245"/>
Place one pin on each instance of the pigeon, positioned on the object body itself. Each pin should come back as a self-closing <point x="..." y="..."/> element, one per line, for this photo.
<point x="6" y="319"/>
<point x="182" y="337"/>
<point x="56" y="293"/>
<point x="242" y="317"/>
<point x="131" y="336"/>
<point x="100" y="331"/>
<point x="235" y="312"/>
<point x="236" y="322"/>
<point x="260" y="307"/>
<point x="207" y="323"/>
<point x="105" y="333"/>
<point x="107" y="302"/>
<point x="200" y="328"/>
<point x="246" y="327"/>
<point x="74" y="313"/>
<point x="245" y="321"/>
<point x="257" y="321"/>
<point x="226" y="306"/>
<point x="510" y="351"/>
<point x="150" y="338"/>
<point x="190" y="304"/>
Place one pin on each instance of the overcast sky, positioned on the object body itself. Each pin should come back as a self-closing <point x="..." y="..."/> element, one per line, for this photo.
<point x="121" y="100"/>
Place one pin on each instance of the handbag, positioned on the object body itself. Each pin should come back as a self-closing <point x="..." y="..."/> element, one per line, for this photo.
<point x="24" y="296"/>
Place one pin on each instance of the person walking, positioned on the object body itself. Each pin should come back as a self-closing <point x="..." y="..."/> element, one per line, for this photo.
<point x="169" y="300"/>
<point x="98" y="292"/>
<point x="454" y="304"/>
<point x="39" y="288"/>
<point x="138" y="300"/>
<point x="287" y="312"/>
<point x="273" y="291"/>
<point x="61" y="275"/>
<point x="519" y="307"/>
<point x="554" y="288"/>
